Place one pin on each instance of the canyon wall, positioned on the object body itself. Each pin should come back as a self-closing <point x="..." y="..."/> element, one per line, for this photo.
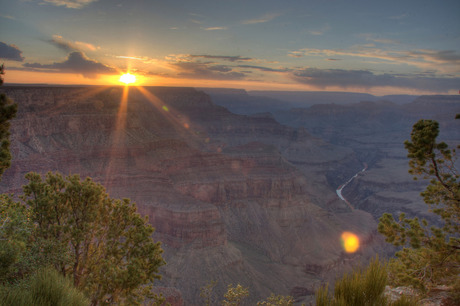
<point x="234" y="198"/>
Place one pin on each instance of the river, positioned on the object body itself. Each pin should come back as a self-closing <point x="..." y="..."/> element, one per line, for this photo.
<point x="339" y="190"/>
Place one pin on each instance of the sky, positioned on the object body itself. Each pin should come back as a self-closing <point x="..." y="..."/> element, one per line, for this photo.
<point x="379" y="47"/>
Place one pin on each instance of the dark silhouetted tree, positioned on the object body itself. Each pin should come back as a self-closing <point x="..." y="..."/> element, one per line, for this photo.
<point x="7" y="112"/>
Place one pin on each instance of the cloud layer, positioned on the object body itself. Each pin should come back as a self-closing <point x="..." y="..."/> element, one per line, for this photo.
<point x="10" y="52"/>
<point x="444" y="61"/>
<point x="324" y="78"/>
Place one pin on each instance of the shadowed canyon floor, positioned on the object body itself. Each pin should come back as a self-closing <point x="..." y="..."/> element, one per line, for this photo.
<point x="234" y="198"/>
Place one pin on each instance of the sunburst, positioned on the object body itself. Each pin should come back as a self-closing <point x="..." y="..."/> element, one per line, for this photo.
<point x="128" y="78"/>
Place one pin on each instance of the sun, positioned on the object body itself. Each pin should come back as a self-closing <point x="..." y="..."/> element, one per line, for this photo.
<point x="128" y="78"/>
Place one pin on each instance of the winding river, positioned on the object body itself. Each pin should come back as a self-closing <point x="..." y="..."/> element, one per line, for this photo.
<point x="339" y="190"/>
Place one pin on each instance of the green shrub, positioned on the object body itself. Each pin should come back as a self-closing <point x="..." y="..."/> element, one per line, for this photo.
<point x="360" y="288"/>
<point x="45" y="288"/>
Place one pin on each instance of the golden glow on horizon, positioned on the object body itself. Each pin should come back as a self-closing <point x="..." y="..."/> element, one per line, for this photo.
<point x="33" y="77"/>
<point x="128" y="78"/>
<point x="350" y="242"/>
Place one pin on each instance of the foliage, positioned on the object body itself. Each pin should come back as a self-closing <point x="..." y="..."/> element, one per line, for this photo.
<point x="433" y="256"/>
<point x="235" y="295"/>
<point x="7" y="112"/>
<point x="206" y="293"/>
<point x="360" y="288"/>
<point x="18" y="256"/>
<point x="277" y="300"/>
<point x="101" y="243"/>
<point x="46" y="287"/>
<point x="112" y="255"/>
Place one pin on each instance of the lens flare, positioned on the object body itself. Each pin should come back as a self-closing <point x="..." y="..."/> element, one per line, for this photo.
<point x="350" y="242"/>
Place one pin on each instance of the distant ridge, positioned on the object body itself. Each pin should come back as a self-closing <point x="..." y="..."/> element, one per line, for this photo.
<point x="337" y="97"/>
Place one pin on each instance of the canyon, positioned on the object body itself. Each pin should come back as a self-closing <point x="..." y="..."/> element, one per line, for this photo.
<point x="246" y="198"/>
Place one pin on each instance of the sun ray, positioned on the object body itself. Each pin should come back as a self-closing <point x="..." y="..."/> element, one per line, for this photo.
<point x="118" y="139"/>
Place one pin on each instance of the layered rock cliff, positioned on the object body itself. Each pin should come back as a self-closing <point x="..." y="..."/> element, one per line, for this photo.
<point x="236" y="199"/>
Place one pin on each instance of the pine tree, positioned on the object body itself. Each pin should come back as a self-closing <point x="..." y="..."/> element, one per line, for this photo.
<point x="431" y="254"/>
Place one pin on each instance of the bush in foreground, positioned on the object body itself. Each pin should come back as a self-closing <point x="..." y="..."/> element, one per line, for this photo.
<point x="45" y="287"/>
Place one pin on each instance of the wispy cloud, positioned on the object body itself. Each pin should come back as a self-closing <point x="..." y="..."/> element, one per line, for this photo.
<point x="262" y="68"/>
<point x="195" y="21"/>
<point x="143" y="59"/>
<point x="10" y="52"/>
<point x="198" y="70"/>
<point x="74" y="4"/>
<point x="215" y="28"/>
<point x="76" y="62"/>
<point x="8" y="17"/>
<point x="371" y="37"/>
<point x="236" y="58"/>
<point x="265" y="18"/>
<point x="70" y="46"/>
<point x="320" y="31"/>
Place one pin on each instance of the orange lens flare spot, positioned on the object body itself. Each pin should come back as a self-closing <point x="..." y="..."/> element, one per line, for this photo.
<point x="128" y="78"/>
<point x="350" y="242"/>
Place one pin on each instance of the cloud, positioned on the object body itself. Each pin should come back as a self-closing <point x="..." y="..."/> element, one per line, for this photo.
<point x="261" y="68"/>
<point x="320" y="31"/>
<point x="70" y="46"/>
<point x="75" y="4"/>
<point x="324" y="78"/>
<point x="236" y="58"/>
<point x="446" y="56"/>
<point x="215" y="28"/>
<point x="144" y="59"/>
<point x="10" y="52"/>
<point x="297" y="54"/>
<point x="263" y="19"/>
<point x="215" y="67"/>
<point x="76" y="62"/>
<point x="8" y="17"/>
<point x="371" y="37"/>
<point x="207" y="71"/>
